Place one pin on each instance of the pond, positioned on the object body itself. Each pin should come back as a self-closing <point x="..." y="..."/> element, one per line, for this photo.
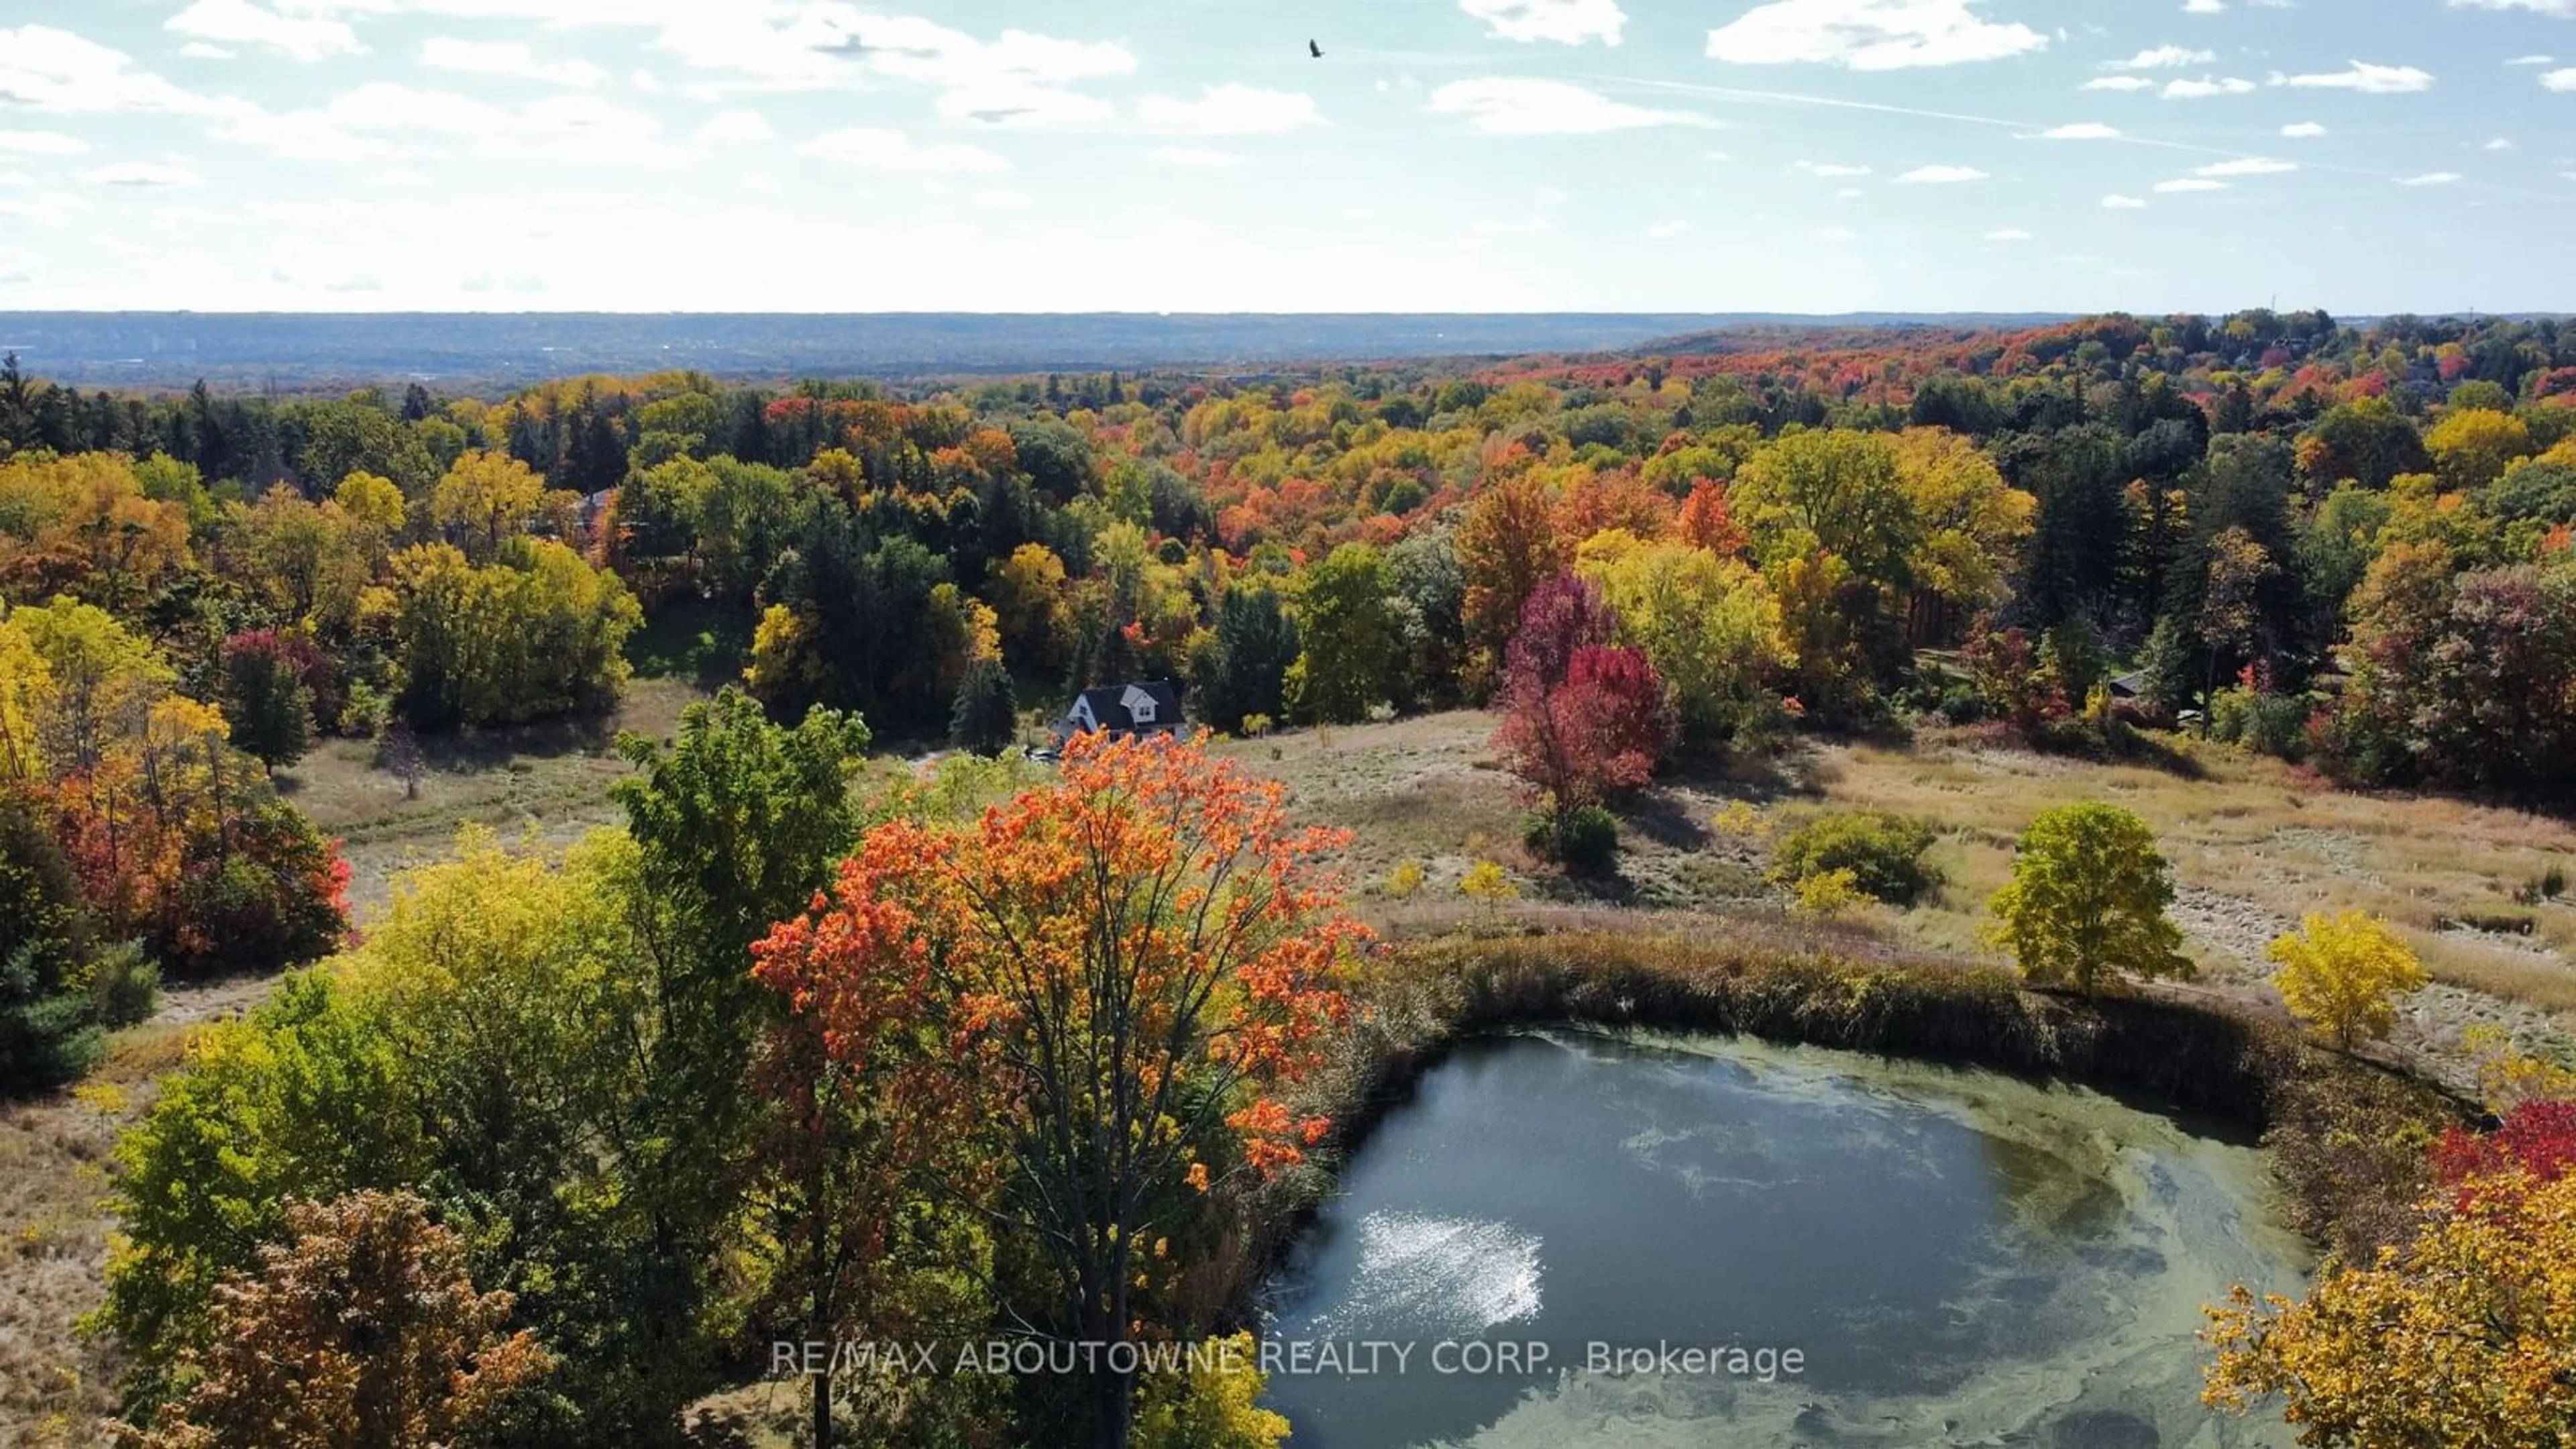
<point x="1566" y="1240"/>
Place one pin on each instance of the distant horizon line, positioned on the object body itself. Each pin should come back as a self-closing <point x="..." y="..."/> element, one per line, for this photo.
<point x="914" y="313"/>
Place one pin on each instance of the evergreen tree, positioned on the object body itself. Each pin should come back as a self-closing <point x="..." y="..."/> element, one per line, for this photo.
<point x="986" y="716"/>
<point x="47" y="1036"/>
<point x="1254" y="643"/>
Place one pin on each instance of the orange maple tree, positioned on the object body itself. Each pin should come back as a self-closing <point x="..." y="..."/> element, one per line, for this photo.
<point x="1122" y="971"/>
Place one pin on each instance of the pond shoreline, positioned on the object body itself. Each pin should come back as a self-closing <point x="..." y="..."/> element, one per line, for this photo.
<point x="1423" y="999"/>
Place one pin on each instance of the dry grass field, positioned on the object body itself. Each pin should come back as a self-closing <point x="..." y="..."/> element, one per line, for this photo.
<point x="2254" y="844"/>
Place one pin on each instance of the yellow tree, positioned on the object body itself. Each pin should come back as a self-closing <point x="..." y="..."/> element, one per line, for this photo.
<point x="1973" y="527"/>
<point x="2463" y="1338"/>
<point x="105" y="680"/>
<point x="486" y="497"/>
<point x="2342" y="974"/>
<point x="26" y="689"/>
<point x="1028" y="595"/>
<point x="2471" y="447"/>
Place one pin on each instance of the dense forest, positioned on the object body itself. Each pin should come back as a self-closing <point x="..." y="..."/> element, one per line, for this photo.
<point x="2349" y="546"/>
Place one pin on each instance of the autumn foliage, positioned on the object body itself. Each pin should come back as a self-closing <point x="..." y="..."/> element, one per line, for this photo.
<point x="2465" y="1335"/>
<point x="361" y="1330"/>
<point x="1120" y="971"/>
<point x="1583" y="719"/>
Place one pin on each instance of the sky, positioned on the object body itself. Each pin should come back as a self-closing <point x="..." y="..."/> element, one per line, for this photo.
<point x="2366" y="156"/>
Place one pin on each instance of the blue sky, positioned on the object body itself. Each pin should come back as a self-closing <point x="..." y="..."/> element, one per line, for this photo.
<point x="1481" y="155"/>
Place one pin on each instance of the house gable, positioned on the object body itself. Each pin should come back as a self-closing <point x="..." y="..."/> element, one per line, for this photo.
<point x="1141" y="706"/>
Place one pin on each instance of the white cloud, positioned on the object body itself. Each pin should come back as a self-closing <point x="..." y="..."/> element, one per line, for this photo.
<point x="2190" y="183"/>
<point x="2203" y="7"/>
<point x="1664" y="229"/>
<point x="2533" y="60"/>
<point x="1230" y="110"/>
<point x="2377" y="80"/>
<point x="2303" y="130"/>
<point x="2117" y="83"/>
<point x="508" y="58"/>
<point x="1520" y="106"/>
<point x="873" y="148"/>
<point x="2008" y="234"/>
<point x="200" y="50"/>
<point x="314" y="135"/>
<point x="1205" y="158"/>
<point x="1830" y="168"/>
<point x="2560" y="8"/>
<point x="1534" y="226"/>
<point x="42" y="143"/>
<point x="1004" y="200"/>
<point x="145" y="175"/>
<point x="2081" y="131"/>
<point x="1019" y="78"/>
<point x="2205" y="87"/>
<point x="387" y="118"/>
<point x="2162" y="57"/>
<point x="2116" y="202"/>
<point x="1567" y="22"/>
<point x="1868" y="34"/>
<point x="2498" y="144"/>
<point x="304" y="36"/>
<point x="2430" y="178"/>
<point x="1837" y="234"/>
<point x="1940" y="175"/>
<point x="737" y="127"/>
<point x="2246" y="166"/>
<point x="45" y="69"/>
<point x="2560" y="80"/>
<point x="1849" y="193"/>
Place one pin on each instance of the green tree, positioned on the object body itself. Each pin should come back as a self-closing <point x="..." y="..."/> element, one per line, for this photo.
<point x="1834" y="489"/>
<point x="1350" y="638"/>
<point x="266" y="700"/>
<point x="2086" y="905"/>
<point x="986" y="716"/>
<point x="48" y="1034"/>
<point x="1243" y="670"/>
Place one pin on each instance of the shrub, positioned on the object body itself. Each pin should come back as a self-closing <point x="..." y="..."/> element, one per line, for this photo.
<point x="1587" y="843"/>
<point x="123" y="984"/>
<point x="1829" y="892"/>
<point x="2262" y="721"/>
<point x="1485" y="881"/>
<point x="1882" y="852"/>
<point x="1405" y="881"/>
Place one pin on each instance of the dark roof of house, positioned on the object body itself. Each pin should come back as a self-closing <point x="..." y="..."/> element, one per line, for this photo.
<point x="2129" y="686"/>
<point x="1109" y="707"/>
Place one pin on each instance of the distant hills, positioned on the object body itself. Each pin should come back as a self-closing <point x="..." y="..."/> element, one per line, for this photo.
<point x="464" y="351"/>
